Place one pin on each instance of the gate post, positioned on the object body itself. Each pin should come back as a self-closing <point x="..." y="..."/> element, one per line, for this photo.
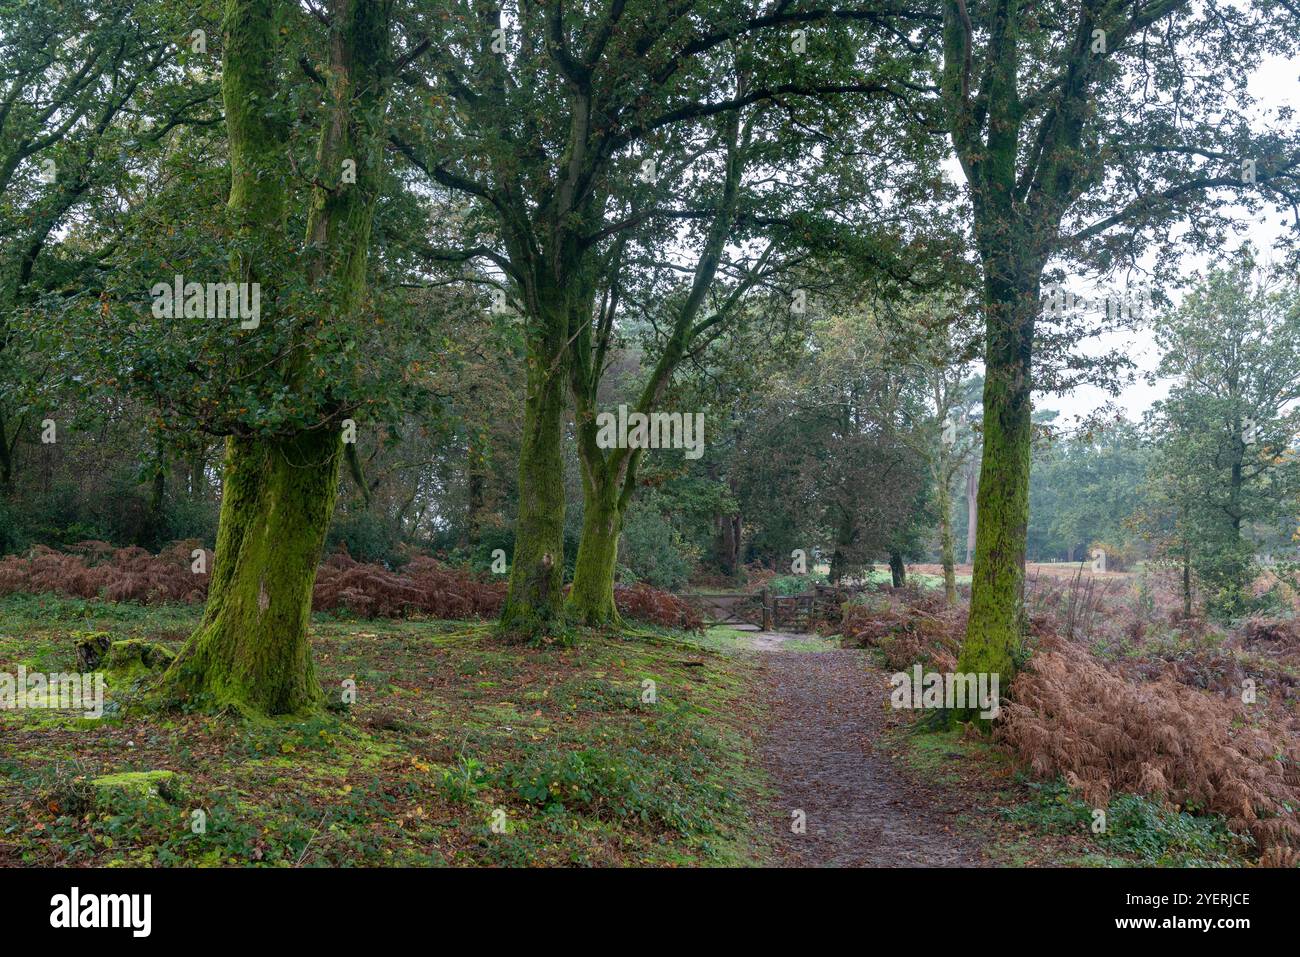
<point x="767" y="612"/>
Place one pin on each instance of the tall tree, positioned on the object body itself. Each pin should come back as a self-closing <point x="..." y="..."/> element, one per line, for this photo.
<point x="765" y="186"/>
<point x="77" y="80"/>
<point x="1233" y="350"/>
<point x="279" y="480"/>
<point x="1081" y="133"/>
<point x="560" y="112"/>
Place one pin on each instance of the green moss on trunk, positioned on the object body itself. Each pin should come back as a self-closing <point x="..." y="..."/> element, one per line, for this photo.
<point x="251" y="651"/>
<point x="535" y="598"/>
<point x="995" y="630"/>
<point x="591" y="600"/>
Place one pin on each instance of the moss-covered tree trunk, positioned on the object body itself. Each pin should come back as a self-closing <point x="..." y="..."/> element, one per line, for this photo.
<point x="609" y="475"/>
<point x="995" y="629"/>
<point x="251" y="650"/>
<point x="535" y="599"/>
<point x="608" y="481"/>
<point x="591" y="600"/>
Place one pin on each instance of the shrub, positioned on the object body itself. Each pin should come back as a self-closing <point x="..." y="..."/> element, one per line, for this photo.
<point x="365" y="536"/>
<point x="657" y="607"/>
<point x="1154" y="832"/>
<point x="1119" y="558"/>
<point x="1070" y="715"/>
<point x="650" y="550"/>
<point x="794" y="584"/>
<point x="908" y="627"/>
<point x="424" y="585"/>
<point x="96" y="569"/>
<point x="668" y="791"/>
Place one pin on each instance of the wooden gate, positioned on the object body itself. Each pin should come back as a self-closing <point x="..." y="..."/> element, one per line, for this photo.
<point x="767" y="611"/>
<point x="731" y="609"/>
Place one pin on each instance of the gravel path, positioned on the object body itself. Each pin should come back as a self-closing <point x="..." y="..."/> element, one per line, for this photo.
<point x="820" y="749"/>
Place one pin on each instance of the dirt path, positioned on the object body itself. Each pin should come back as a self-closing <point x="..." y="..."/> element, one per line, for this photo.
<point x="820" y="749"/>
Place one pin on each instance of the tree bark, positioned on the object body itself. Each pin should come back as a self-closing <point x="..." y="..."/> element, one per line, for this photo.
<point x="727" y="548"/>
<point x="945" y="536"/>
<point x="841" y="562"/>
<point x="591" y="600"/>
<point x="475" y="495"/>
<point x="251" y="650"/>
<point x="995" y="628"/>
<point x="897" y="570"/>
<point x="6" y="459"/>
<point x="535" y="598"/>
<point x="198" y="474"/>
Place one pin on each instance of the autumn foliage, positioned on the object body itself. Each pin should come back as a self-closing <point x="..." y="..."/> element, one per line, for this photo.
<point x="424" y="586"/>
<point x="1166" y="719"/>
<point x="98" y="570"/>
<point x="1105" y="733"/>
<point x="907" y="626"/>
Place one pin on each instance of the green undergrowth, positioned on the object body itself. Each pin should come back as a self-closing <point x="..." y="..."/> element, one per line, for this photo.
<point x="440" y="745"/>
<point x="1136" y="831"/>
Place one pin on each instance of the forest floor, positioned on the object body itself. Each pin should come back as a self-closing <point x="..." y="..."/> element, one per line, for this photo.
<point x="654" y="748"/>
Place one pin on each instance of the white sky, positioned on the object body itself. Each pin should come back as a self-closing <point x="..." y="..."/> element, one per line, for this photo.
<point x="1275" y="84"/>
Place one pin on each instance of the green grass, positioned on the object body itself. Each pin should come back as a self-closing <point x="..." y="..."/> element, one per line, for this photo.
<point x="722" y="638"/>
<point x="625" y="749"/>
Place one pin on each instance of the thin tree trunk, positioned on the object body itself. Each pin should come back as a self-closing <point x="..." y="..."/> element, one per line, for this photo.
<point x="159" y="492"/>
<point x="6" y="459"/>
<point x="972" y="510"/>
<point x="724" y="544"/>
<point x="476" y="480"/>
<point x="897" y="570"/>
<point x="945" y="537"/>
<point x="840" y="560"/>
<point x="198" y="474"/>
